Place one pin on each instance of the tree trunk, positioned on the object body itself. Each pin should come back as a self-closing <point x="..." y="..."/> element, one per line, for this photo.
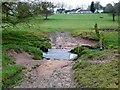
<point x="113" y="17"/>
<point x="46" y="16"/>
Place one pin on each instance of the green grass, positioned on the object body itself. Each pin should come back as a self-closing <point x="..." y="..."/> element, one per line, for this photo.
<point x="78" y="21"/>
<point x="96" y="55"/>
<point x="90" y="75"/>
<point x="68" y="22"/>
<point x="28" y="41"/>
<point x="11" y="73"/>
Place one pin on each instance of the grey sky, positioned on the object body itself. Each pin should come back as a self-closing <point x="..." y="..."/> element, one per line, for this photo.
<point x="85" y="3"/>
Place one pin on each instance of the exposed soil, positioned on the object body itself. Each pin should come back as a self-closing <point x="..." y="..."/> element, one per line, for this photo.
<point x="64" y="40"/>
<point x="49" y="73"/>
<point x="44" y="73"/>
<point x="25" y="59"/>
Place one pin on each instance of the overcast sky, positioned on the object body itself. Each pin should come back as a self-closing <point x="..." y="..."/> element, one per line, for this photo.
<point x="85" y="3"/>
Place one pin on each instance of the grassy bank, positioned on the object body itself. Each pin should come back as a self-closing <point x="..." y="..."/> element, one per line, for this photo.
<point x="98" y="68"/>
<point x="19" y="40"/>
<point x="92" y="75"/>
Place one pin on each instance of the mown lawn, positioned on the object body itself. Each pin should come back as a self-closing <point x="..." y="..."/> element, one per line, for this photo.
<point x="78" y="21"/>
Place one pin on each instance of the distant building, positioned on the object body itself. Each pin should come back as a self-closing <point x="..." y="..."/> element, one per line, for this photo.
<point x="73" y="11"/>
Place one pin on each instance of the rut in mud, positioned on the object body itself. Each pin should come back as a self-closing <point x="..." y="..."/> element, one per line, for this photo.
<point x="49" y="73"/>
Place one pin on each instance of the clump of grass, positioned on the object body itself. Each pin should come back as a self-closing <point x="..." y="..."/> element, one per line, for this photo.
<point x="78" y="50"/>
<point x="11" y="73"/>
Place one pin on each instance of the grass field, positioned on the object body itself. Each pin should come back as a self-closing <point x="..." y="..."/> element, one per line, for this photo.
<point x="30" y="35"/>
<point x="70" y="22"/>
<point x="78" y="21"/>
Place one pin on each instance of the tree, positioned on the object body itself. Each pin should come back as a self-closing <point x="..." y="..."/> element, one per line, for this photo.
<point x="117" y="8"/>
<point x="111" y="9"/>
<point x="23" y="10"/>
<point x="97" y="6"/>
<point x="16" y="10"/>
<point x="92" y="7"/>
<point x="47" y="9"/>
<point x="7" y="9"/>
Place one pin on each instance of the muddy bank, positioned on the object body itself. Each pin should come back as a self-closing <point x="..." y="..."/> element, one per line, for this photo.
<point x="64" y="40"/>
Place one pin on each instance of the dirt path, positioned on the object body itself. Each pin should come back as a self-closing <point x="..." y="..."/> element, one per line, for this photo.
<point x="49" y="73"/>
<point x="44" y="74"/>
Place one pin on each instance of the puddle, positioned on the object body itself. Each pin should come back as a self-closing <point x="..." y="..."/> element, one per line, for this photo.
<point x="63" y="54"/>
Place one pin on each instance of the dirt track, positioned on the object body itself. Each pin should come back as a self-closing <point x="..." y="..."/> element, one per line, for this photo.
<point x="49" y="73"/>
<point x="44" y="74"/>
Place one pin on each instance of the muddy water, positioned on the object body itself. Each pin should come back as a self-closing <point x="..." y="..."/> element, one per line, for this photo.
<point x="62" y="54"/>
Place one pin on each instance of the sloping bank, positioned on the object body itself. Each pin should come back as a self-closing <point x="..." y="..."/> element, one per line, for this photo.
<point x="97" y="68"/>
<point x="28" y="41"/>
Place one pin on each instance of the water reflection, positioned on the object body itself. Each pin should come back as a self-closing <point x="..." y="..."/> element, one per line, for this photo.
<point x="59" y="54"/>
